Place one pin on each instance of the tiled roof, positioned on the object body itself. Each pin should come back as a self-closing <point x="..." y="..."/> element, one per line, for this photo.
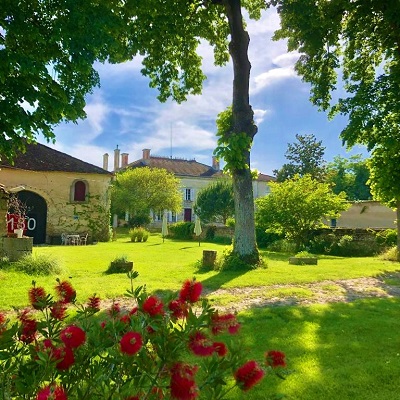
<point x="42" y="158"/>
<point x="266" y="178"/>
<point x="178" y="167"/>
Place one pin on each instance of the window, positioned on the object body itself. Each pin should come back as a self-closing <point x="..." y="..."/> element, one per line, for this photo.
<point x="79" y="191"/>
<point x="188" y="194"/>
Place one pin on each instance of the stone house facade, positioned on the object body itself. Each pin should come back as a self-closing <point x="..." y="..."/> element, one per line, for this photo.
<point x="63" y="194"/>
<point x="193" y="176"/>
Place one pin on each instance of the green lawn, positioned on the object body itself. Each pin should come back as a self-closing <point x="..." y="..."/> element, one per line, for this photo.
<point x="164" y="266"/>
<point x="335" y="351"/>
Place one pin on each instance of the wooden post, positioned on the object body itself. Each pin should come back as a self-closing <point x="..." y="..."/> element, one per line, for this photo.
<point x="209" y="258"/>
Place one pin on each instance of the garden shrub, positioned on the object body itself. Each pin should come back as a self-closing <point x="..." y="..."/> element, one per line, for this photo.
<point x="38" y="264"/>
<point x="139" y="221"/>
<point x="153" y="349"/>
<point x="230" y="261"/>
<point x="264" y="239"/>
<point x="389" y="254"/>
<point x="139" y="234"/>
<point x="282" y="246"/>
<point x="387" y="238"/>
<point x="210" y="233"/>
<point x="120" y="264"/>
<point x="230" y="222"/>
<point x="182" y="230"/>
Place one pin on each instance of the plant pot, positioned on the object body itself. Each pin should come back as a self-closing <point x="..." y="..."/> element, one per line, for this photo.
<point x="19" y="232"/>
<point x="121" y="266"/>
<point x="303" y="260"/>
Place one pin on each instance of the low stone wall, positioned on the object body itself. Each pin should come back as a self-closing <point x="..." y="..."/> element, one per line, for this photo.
<point x="15" y="248"/>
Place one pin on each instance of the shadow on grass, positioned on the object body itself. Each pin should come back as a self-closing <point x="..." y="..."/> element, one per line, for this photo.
<point x="324" y="346"/>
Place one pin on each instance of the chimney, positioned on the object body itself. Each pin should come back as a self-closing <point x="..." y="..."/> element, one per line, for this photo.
<point x="124" y="160"/>
<point x="215" y="163"/>
<point x="116" y="158"/>
<point x="105" y="161"/>
<point x="146" y="154"/>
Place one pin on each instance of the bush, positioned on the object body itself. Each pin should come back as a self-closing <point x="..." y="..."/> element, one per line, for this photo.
<point x="182" y="230"/>
<point x="156" y="349"/>
<point x="230" y="261"/>
<point x="139" y="220"/>
<point x="387" y="238"/>
<point x="282" y="246"/>
<point x="120" y="264"/>
<point x="139" y="235"/>
<point x="38" y="264"/>
<point x="230" y="222"/>
<point x="210" y="233"/>
<point x="390" y="254"/>
<point x="264" y="239"/>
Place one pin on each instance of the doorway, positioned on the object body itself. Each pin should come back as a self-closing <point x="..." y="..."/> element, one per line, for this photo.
<point x="37" y="215"/>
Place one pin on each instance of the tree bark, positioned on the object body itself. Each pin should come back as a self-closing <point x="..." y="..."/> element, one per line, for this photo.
<point x="398" y="229"/>
<point x="244" y="243"/>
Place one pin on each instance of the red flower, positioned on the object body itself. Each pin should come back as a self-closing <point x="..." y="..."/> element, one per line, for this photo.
<point x="275" y="358"/>
<point x="65" y="356"/>
<point x="248" y="375"/>
<point x="65" y="291"/>
<point x="58" y="309"/>
<point x="201" y="345"/>
<point x="2" y="323"/>
<point x="73" y="336"/>
<point x="183" y="385"/>
<point x="51" y="392"/>
<point x="125" y="319"/>
<point x="153" y="306"/>
<point x="226" y="322"/>
<point x="220" y="348"/>
<point x="37" y="298"/>
<point x="132" y="398"/>
<point x="94" y="303"/>
<point x="28" y="327"/>
<point x="191" y="291"/>
<point x="178" y="308"/>
<point x="131" y="343"/>
<point x="133" y="311"/>
<point x="114" y="310"/>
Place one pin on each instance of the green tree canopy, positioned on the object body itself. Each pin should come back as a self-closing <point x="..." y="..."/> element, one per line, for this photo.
<point x="349" y="175"/>
<point x="140" y="190"/>
<point x="297" y="206"/>
<point x="306" y="157"/>
<point x="215" y="202"/>
<point x="359" y="38"/>
<point x="48" y="50"/>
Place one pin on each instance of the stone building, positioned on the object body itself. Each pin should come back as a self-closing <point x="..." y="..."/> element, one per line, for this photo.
<point x="63" y="194"/>
<point x="193" y="176"/>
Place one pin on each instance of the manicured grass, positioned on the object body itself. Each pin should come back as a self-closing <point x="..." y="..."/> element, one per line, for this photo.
<point x="335" y="351"/>
<point x="164" y="266"/>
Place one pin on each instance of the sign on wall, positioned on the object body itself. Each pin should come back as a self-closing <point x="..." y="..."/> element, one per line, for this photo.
<point x="14" y="220"/>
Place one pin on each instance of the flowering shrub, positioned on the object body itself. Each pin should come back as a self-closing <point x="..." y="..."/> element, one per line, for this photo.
<point x="154" y="349"/>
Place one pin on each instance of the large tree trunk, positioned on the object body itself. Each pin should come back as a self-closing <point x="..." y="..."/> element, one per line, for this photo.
<point x="398" y="229"/>
<point x="244" y="243"/>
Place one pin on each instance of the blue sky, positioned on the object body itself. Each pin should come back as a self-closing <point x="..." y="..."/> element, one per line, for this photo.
<point x="124" y="111"/>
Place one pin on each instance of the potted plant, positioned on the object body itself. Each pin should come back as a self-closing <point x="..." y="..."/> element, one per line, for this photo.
<point x="17" y="210"/>
<point x="120" y="264"/>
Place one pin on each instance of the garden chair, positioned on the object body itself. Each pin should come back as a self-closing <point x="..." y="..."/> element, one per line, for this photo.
<point x="83" y="239"/>
<point x="64" y="239"/>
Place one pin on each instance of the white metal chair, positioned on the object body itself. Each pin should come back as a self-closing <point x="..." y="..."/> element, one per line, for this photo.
<point x="83" y="239"/>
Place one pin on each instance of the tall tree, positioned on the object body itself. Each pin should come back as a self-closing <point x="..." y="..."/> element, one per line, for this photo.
<point x="47" y="52"/>
<point x="215" y="202"/>
<point x="361" y="39"/>
<point x="297" y="206"/>
<point x="349" y="175"/>
<point x="140" y="190"/>
<point x="385" y="186"/>
<point x="306" y="157"/>
<point x="72" y="36"/>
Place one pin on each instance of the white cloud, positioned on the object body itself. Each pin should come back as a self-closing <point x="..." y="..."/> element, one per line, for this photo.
<point x="259" y="115"/>
<point x="97" y="111"/>
<point x="272" y="76"/>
